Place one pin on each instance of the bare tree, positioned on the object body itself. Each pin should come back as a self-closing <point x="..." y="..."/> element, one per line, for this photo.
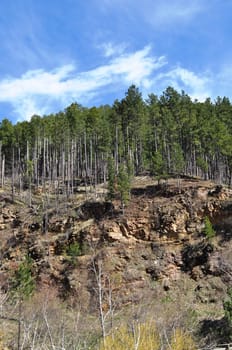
<point x="104" y="293"/>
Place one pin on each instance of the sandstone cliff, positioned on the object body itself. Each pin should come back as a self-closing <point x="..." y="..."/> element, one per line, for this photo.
<point x="154" y="251"/>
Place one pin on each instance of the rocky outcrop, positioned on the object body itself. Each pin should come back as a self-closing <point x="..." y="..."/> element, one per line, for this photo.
<point x="156" y="242"/>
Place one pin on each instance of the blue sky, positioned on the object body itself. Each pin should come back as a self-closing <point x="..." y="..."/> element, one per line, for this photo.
<point x="55" y="52"/>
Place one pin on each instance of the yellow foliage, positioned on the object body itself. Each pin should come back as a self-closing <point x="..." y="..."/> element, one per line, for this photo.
<point x="182" y="341"/>
<point x="140" y="337"/>
<point x="2" y="346"/>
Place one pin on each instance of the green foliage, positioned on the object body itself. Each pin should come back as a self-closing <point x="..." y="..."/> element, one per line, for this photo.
<point x="170" y="134"/>
<point x="202" y="164"/>
<point x="74" y="250"/>
<point x="22" y="283"/>
<point x="7" y="134"/>
<point x="177" y="159"/>
<point x="124" y="184"/>
<point x="29" y="165"/>
<point x="111" y="179"/>
<point x="157" y="164"/>
<point x="227" y="305"/>
<point x="208" y="230"/>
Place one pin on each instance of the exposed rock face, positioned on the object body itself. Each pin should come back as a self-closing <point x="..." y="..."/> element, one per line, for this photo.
<point x="158" y="240"/>
<point x="196" y="254"/>
<point x="171" y="215"/>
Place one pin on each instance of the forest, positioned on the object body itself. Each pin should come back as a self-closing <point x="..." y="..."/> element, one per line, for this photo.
<point x="56" y="244"/>
<point x="159" y="136"/>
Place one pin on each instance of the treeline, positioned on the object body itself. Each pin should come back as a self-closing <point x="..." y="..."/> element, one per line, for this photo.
<point x="169" y="134"/>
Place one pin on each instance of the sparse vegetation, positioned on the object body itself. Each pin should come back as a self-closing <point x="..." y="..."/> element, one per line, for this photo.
<point x="74" y="250"/>
<point x="22" y="284"/>
<point x="208" y="230"/>
<point x="124" y="184"/>
<point x="227" y="305"/>
<point x="182" y="341"/>
<point x="136" y="336"/>
<point x="137" y="273"/>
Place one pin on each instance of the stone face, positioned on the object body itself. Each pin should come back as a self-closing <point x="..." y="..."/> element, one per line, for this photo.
<point x="196" y="254"/>
<point x="156" y="242"/>
<point x="202" y="193"/>
<point x="96" y="210"/>
<point x="2" y="226"/>
<point x="114" y="233"/>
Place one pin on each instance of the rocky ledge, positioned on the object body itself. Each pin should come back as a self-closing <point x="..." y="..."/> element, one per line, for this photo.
<point x="155" y="245"/>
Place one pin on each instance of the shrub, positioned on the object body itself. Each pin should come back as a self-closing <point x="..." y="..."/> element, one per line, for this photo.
<point x="182" y="341"/>
<point x="74" y="250"/>
<point x="208" y="229"/>
<point x="141" y="337"/>
<point x="22" y="283"/>
<point x="227" y="305"/>
<point x="2" y="341"/>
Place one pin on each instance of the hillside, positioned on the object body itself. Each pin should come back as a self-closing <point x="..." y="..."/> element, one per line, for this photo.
<point x="151" y="259"/>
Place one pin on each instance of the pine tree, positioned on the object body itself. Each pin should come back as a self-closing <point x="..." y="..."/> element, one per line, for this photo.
<point x="124" y="185"/>
<point x="208" y="229"/>
<point x="111" y="179"/>
<point x="157" y="165"/>
<point x="227" y="305"/>
<point x="22" y="283"/>
<point x="22" y="287"/>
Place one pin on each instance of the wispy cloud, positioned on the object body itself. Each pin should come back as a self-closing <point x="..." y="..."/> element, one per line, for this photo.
<point x="198" y="86"/>
<point x="110" y="49"/>
<point x="172" y="11"/>
<point x="36" y="91"/>
<point x="42" y="92"/>
<point x="159" y="13"/>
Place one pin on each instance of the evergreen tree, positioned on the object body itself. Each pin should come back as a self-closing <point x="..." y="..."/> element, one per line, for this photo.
<point x="22" y="283"/>
<point x="208" y="229"/>
<point x="227" y="305"/>
<point x="111" y="180"/>
<point x="167" y="134"/>
<point x="157" y="166"/>
<point x="124" y="184"/>
<point x="21" y="287"/>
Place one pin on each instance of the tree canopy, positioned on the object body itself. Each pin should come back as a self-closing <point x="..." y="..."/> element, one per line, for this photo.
<point x="167" y="134"/>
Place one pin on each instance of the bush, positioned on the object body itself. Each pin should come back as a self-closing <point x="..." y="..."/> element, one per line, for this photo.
<point x="141" y="337"/>
<point x="2" y="341"/>
<point x="74" y="250"/>
<point x="22" y="283"/>
<point x="208" y="229"/>
<point x="227" y="305"/>
<point x="182" y="341"/>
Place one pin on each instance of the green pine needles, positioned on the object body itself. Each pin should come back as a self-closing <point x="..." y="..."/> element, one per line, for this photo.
<point x="124" y="184"/>
<point x="208" y="230"/>
<point x="22" y="282"/>
<point x="111" y="179"/>
<point x="119" y="184"/>
<point x="227" y="305"/>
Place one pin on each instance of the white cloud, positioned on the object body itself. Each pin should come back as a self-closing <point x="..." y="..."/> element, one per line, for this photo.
<point x="42" y="92"/>
<point x="26" y="107"/>
<point x="198" y="87"/>
<point x="167" y="12"/>
<point x="36" y="91"/>
<point x="110" y="49"/>
<point x="158" y="13"/>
